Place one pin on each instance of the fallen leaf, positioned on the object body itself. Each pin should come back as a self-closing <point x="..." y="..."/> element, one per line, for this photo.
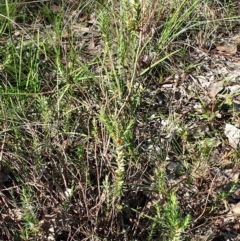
<point x="236" y="209"/>
<point x="233" y="89"/>
<point x="228" y="48"/>
<point x="215" y="88"/>
<point x="56" y="8"/>
<point x="233" y="135"/>
<point x="200" y="38"/>
<point x="235" y="38"/>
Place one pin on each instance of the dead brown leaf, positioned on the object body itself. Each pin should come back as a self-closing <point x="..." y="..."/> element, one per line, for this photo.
<point x="200" y="38"/>
<point x="56" y="9"/>
<point x="215" y="88"/>
<point x="236" y="209"/>
<point x="227" y="48"/>
<point x="235" y="38"/>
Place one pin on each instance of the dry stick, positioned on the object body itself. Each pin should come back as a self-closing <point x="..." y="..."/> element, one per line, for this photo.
<point x="1" y="155"/>
<point x="205" y="206"/>
<point x="3" y="143"/>
<point x="133" y="75"/>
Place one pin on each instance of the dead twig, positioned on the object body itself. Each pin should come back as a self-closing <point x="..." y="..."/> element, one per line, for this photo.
<point x="205" y="206"/>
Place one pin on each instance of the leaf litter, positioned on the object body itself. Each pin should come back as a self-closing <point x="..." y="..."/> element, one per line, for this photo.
<point x="211" y="94"/>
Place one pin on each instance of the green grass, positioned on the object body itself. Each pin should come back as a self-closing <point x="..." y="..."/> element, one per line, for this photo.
<point x="81" y="159"/>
